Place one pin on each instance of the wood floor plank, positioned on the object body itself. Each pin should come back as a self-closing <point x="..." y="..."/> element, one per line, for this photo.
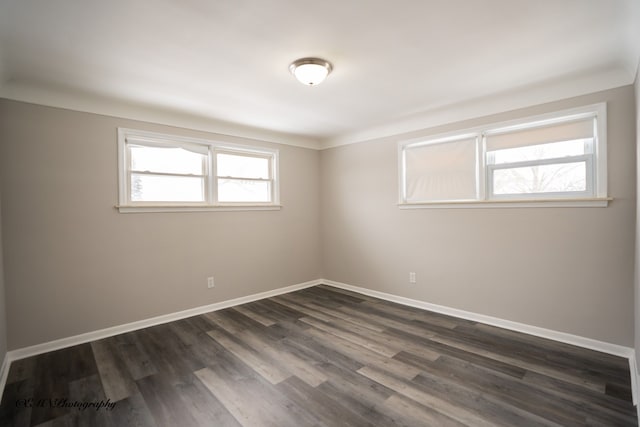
<point x="329" y="297"/>
<point x="359" y="394"/>
<point x="599" y="408"/>
<point x="408" y="412"/>
<point x="115" y="377"/>
<point x="598" y="360"/>
<point x="278" y="312"/>
<point x="365" y="356"/>
<point x="164" y="402"/>
<point x="511" y="391"/>
<point x="419" y="396"/>
<point x="321" y="354"/>
<point x="132" y="411"/>
<point x="203" y="405"/>
<point x="480" y="360"/>
<point x="369" y="316"/>
<point x="288" y="361"/>
<point x="252" y="314"/>
<point x="88" y="390"/>
<point x="298" y="305"/>
<point x="347" y="317"/>
<point x="329" y="289"/>
<point x="12" y="410"/>
<point x="354" y="338"/>
<point x="171" y="357"/>
<point x="328" y="409"/>
<point x="22" y="369"/>
<point x="134" y="356"/>
<point x="611" y="406"/>
<point x="377" y="335"/>
<point x="219" y="318"/>
<point x="259" y="363"/>
<point x="401" y="312"/>
<point x="554" y="356"/>
<point x="251" y="405"/>
<point x="54" y="371"/>
<point x="485" y="405"/>
<point x="565" y="375"/>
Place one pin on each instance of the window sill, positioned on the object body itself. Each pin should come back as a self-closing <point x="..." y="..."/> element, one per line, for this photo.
<point x="599" y="202"/>
<point x="211" y="208"/>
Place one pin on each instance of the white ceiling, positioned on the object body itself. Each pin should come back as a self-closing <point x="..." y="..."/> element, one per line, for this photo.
<point x="398" y="65"/>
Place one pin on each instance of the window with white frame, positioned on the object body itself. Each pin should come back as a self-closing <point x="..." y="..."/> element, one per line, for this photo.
<point x="554" y="157"/>
<point x="160" y="171"/>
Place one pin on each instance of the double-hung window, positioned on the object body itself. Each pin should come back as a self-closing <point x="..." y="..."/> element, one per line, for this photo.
<point x="165" y="172"/>
<point x="559" y="157"/>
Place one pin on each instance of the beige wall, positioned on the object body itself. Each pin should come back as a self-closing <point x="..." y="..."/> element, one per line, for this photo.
<point x="637" y="252"/>
<point x="3" y="309"/>
<point x="566" y="269"/>
<point x="73" y="264"/>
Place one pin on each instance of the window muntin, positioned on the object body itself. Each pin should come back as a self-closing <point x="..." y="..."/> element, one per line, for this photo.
<point x="165" y="170"/>
<point x="557" y="156"/>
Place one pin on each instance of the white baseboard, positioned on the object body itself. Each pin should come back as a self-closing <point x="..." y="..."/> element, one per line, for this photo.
<point x="4" y="373"/>
<point x="576" y="340"/>
<point x="635" y="381"/>
<point x="34" y="350"/>
<point x="633" y="370"/>
<point x="605" y="347"/>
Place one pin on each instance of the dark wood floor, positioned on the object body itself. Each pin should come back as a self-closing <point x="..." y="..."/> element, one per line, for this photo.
<point x="320" y="357"/>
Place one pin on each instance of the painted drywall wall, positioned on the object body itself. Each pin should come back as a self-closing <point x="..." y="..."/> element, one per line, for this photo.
<point x="73" y="264"/>
<point x="566" y="269"/>
<point x="3" y="310"/>
<point x="637" y="229"/>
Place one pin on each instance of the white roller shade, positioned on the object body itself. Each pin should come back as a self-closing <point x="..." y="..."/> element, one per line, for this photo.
<point x="442" y="171"/>
<point x="566" y="131"/>
<point x="144" y="142"/>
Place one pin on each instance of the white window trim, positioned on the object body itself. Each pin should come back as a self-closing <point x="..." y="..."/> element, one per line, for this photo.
<point x="212" y="148"/>
<point x="596" y="175"/>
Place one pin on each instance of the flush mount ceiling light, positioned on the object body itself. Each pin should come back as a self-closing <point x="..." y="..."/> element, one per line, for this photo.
<point x="310" y="71"/>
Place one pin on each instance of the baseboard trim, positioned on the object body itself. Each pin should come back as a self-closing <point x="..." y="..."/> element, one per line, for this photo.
<point x="34" y="350"/>
<point x="635" y="381"/>
<point x="605" y="347"/>
<point x="4" y="373"/>
<point x="563" y="337"/>
<point x="633" y="370"/>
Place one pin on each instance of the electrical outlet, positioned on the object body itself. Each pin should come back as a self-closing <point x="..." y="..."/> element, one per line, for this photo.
<point x="210" y="282"/>
<point x="412" y="277"/>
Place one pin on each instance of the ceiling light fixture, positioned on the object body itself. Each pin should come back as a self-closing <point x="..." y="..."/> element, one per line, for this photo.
<point x="310" y="71"/>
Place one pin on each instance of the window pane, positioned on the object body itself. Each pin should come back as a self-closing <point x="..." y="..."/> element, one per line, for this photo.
<point x="238" y="190"/>
<point x="154" y="188"/>
<point x="539" y="152"/>
<point x="239" y="166"/>
<point x="555" y="178"/>
<point x="167" y="160"/>
<point x="445" y="171"/>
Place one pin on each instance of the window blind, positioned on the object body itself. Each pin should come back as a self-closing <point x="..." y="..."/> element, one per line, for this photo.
<point x="564" y="131"/>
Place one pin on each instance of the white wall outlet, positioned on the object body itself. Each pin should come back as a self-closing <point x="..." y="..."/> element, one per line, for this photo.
<point x="412" y="277"/>
<point x="210" y="282"/>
